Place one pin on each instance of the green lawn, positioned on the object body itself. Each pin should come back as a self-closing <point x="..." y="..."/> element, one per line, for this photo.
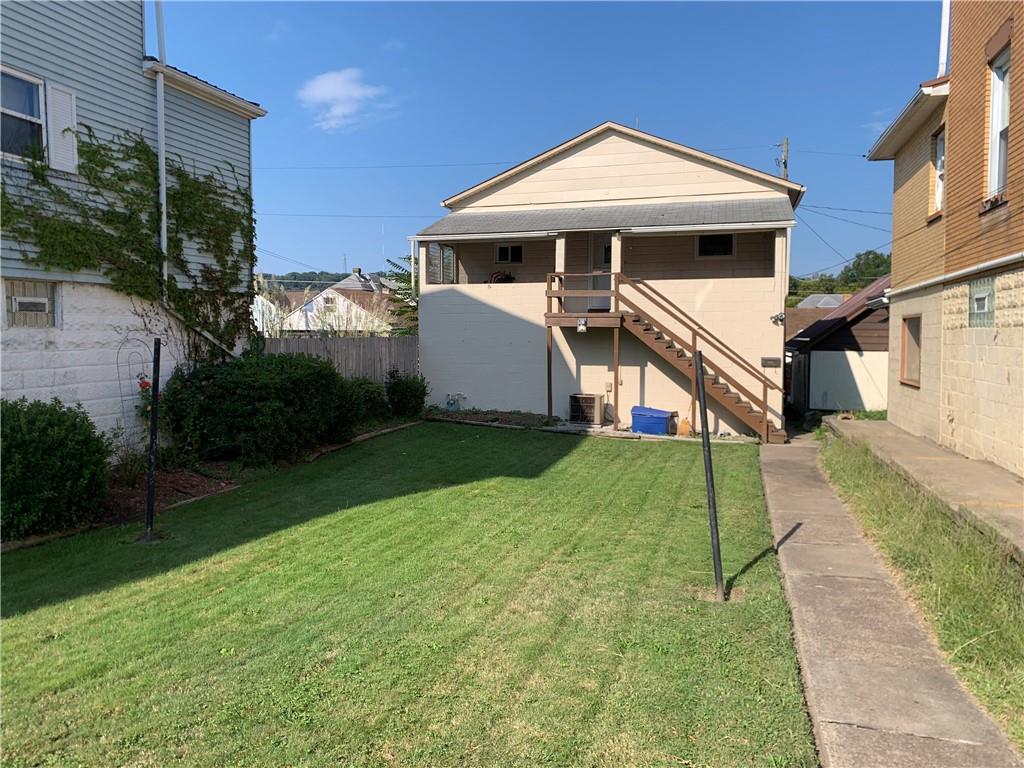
<point x="443" y="595"/>
<point x="966" y="585"/>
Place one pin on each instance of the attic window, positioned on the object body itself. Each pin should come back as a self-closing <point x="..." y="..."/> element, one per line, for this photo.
<point x="510" y="253"/>
<point x="716" y="246"/>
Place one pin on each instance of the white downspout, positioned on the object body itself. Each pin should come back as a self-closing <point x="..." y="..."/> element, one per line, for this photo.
<point x="944" y="40"/>
<point x="413" y="279"/>
<point x="161" y="135"/>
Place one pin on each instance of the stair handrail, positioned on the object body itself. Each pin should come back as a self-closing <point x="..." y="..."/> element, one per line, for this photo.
<point x="695" y="326"/>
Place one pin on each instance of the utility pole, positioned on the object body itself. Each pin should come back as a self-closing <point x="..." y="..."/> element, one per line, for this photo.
<point x="783" y="162"/>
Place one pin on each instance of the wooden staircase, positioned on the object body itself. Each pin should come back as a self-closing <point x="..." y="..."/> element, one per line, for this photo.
<point x="676" y="348"/>
<point x="682" y="360"/>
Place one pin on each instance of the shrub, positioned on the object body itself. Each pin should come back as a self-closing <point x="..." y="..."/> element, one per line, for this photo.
<point x="407" y="394"/>
<point x="54" y="467"/>
<point x="260" y="408"/>
<point x="374" y="397"/>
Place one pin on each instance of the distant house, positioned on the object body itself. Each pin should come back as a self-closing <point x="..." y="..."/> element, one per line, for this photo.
<point x="359" y="305"/>
<point x="823" y="301"/>
<point x="841" y="362"/>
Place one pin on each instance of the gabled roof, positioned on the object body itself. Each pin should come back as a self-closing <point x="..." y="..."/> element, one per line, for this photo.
<point x="849" y="311"/>
<point x="823" y="301"/>
<point x="201" y="89"/>
<point x="794" y="190"/>
<point x="930" y="95"/>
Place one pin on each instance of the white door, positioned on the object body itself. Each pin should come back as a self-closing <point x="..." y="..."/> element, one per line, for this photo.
<point x="601" y="261"/>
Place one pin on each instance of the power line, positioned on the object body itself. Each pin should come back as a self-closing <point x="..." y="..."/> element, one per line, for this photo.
<point x="848" y="221"/>
<point x="375" y="167"/>
<point x="287" y="258"/>
<point x="848" y="210"/>
<point x="826" y="242"/>
<point x="827" y="152"/>
<point x="350" y="215"/>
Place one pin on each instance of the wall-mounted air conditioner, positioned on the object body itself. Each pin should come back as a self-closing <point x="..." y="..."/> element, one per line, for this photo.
<point x="586" y="409"/>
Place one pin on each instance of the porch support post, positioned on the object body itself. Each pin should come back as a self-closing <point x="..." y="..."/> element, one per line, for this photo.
<point x="615" y="379"/>
<point x="560" y="252"/>
<point x="616" y="251"/>
<point x="550" y="413"/>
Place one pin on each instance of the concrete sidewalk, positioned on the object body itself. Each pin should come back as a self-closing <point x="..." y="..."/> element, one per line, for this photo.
<point x="979" y="491"/>
<point x="877" y="690"/>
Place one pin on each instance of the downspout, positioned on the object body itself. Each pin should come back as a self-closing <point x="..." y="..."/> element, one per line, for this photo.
<point x="161" y="137"/>
<point x="944" y="40"/>
<point x="413" y="280"/>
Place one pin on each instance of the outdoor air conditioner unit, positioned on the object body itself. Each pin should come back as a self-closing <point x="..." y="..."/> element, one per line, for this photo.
<point x="586" y="409"/>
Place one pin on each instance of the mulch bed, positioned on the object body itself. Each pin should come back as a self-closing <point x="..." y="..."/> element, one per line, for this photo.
<point x="505" y="418"/>
<point x="127" y="504"/>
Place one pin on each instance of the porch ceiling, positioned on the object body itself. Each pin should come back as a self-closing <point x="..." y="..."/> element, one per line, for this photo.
<point x="695" y="214"/>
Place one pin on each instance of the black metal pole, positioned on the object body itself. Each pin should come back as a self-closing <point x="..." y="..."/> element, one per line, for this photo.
<point x="151" y="475"/>
<point x="709" y="474"/>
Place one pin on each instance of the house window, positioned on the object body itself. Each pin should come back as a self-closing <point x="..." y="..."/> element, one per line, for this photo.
<point x="329" y="304"/>
<point x="440" y="264"/>
<point x="21" y="113"/>
<point x="999" y="123"/>
<point x="939" y="168"/>
<point x="716" y="246"/>
<point x="983" y="303"/>
<point x="30" y="303"/>
<point x="910" y="351"/>
<point x="510" y="253"/>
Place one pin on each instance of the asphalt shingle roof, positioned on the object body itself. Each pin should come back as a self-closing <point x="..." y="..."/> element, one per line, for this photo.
<point x="742" y="211"/>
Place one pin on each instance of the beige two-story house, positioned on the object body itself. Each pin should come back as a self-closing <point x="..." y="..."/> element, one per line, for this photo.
<point x="957" y="298"/>
<point x="598" y="267"/>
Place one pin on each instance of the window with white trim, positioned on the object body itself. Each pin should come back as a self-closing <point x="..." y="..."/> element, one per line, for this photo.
<point x="939" y="168"/>
<point x="716" y="246"/>
<point x="30" y="303"/>
<point x="999" y="122"/>
<point x="983" y="303"/>
<point x="441" y="269"/>
<point x="509" y="253"/>
<point x="23" y="128"/>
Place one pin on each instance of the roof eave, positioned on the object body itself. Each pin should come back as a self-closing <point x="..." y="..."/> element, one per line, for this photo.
<point x="202" y="90"/>
<point x="926" y="100"/>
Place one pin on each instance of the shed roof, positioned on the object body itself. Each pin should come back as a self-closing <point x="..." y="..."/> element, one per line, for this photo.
<point x="849" y="311"/>
<point x="823" y="301"/>
<point x="761" y="210"/>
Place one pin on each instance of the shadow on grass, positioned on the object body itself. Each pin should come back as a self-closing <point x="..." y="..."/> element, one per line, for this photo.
<point x="405" y="463"/>
<point x="772" y="550"/>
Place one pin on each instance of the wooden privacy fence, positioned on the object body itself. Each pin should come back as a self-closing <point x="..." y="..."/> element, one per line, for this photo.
<point x="355" y="356"/>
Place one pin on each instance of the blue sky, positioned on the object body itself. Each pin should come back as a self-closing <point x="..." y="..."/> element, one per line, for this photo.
<point x="474" y="88"/>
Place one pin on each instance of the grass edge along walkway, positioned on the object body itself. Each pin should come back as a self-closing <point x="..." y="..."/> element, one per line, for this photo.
<point x="963" y="581"/>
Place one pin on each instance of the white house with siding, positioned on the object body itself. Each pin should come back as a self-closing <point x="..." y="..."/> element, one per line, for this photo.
<point x="598" y="267"/>
<point x="67" y="65"/>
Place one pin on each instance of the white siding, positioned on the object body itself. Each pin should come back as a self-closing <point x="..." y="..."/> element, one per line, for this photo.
<point x="849" y="381"/>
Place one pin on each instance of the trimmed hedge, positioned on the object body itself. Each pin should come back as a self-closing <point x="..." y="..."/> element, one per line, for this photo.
<point x="375" y="399"/>
<point x="54" y="468"/>
<point x="260" y="408"/>
<point x="407" y="394"/>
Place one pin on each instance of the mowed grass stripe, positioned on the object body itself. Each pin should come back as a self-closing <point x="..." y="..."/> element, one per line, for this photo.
<point x="444" y="595"/>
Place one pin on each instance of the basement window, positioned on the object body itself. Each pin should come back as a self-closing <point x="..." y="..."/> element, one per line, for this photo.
<point x="910" y="351"/>
<point x="509" y="253"/>
<point x="983" y="303"/>
<point x="716" y="246"/>
<point x="30" y="303"/>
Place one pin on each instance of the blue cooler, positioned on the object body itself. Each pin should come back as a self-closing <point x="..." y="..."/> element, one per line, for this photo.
<point x="650" y="421"/>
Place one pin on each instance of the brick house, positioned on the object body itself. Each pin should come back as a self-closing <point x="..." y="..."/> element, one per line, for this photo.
<point x="957" y="299"/>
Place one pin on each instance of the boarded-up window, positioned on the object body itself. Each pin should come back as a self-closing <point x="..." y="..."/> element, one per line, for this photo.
<point x="30" y="303"/>
<point x="910" y="351"/>
<point x="440" y="264"/>
<point x="983" y="303"/>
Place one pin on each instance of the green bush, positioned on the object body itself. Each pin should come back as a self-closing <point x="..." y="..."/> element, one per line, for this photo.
<point x="375" y="399"/>
<point x="407" y="394"/>
<point x="54" y="467"/>
<point x="260" y="408"/>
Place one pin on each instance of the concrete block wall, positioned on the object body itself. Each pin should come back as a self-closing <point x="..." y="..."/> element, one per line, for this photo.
<point x="101" y="342"/>
<point x="982" y="412"/>
<point x="916" y="409"/>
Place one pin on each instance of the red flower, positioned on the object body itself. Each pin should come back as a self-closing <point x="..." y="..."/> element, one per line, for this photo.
<point x="144" y="384"/>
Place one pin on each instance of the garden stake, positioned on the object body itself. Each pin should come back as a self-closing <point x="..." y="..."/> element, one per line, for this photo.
<point x="709" y="475"/>
<point x="151" y="474"/>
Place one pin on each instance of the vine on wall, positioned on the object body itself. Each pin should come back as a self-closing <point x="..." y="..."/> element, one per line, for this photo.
<point x="108" y="220"/>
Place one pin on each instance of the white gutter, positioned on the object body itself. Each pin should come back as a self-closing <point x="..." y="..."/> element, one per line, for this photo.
<point x="1002" y="261"/>
<point x="748" y="226"/>
<point x="161" y="137"/>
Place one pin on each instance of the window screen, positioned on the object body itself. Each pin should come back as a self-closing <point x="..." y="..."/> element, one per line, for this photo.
<point x="983" y="303"/>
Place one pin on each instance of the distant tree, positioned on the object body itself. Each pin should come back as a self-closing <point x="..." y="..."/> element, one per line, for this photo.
<point x="299" y="281"/>
<point x="405" y="307"/>
<point x="865" y="267"/>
